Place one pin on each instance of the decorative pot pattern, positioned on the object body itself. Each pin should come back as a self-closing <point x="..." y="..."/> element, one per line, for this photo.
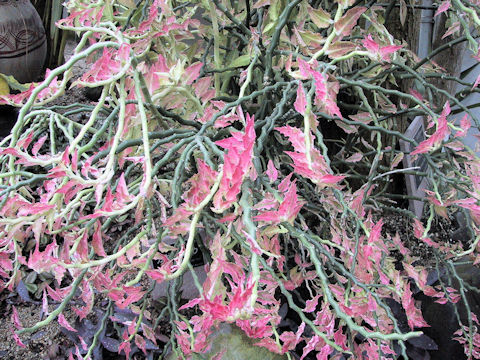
<point x="23" y="43"/>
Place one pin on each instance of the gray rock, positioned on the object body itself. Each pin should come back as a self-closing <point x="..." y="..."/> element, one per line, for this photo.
<point x="238" y="346"/>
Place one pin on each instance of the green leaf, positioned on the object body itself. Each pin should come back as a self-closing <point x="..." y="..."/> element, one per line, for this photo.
<point x="241" y="61"/>
<point x="4" y="89"/>
<point x="311" y="38"/>
<point x="392" y="79"/>
<point x="13" y="83"/>
<point x="319" y="17"/>
<point x="32" y="288"/>
<point x="128" y="3"/>
<point x="276" y="8"/>
<point x="269" y="27"/>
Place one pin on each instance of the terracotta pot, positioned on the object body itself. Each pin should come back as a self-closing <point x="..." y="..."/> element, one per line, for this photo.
<point x="23" y="44"/>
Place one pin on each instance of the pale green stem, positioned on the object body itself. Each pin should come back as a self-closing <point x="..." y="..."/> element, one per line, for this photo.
<point x="146" y="144"/>
<point x="216" y="46"/>
<point x="252" y="233"/>
<point x="248" y="78"/>
<point x="58" y="310"/>
<point x="349" y="55"/>
<point x="330" y="37"/>
<point x="145" y="266"/>
<point x="306" y="123"/>
<point x="193" y="226"/>
<point x="109" y="258"/>
<point x="108" y="171"/>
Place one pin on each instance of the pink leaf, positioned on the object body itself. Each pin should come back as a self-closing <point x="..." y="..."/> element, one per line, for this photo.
<point x="301" y="102"/>
<point x="67" y="187"/>
<point x="376" y="232"/>
<point x="311" y="304"/>
<point x="98" y="192"/>
<point x="141" y="343"/>
<point x="219" y="356"/>
<point x="125" y="347"/>
<point x="36" y="208"/>
<point x="36" y="147"/>
<point x="340" y="48"/>
<point x="304" y="68"/>
<point x="108" y="204"/>
<point x="452" y="29"/>
<point x="15" y="318"/>
<point x="192" y="73"/>
<point x="63" y="321"/>
<point x="290" y="206"/>
<point x="295" y="136"/>
<point x="66" y="157"/>
<point x="97" y="241"/>
<point x="444" y="6"/>
<point x="355" y="158"/>
<point x="190" y="304"/>
<point x="331" y="179"/>
<point x="82" y="248"/>
<point x="88" y="298"/>
<point x="324" y="352"/>
<point x="325" y="94"/>
<point x="418" y="229"/>
<point x="414" y="315"/>
<point x="148" y="333"/>
<point x="320" y="86"/>
<point x="25" y="142"/>
<point x="416" y="94"/>
<point x="133" y="295"/>
<point x="10" y="151"/>
<point x="370" y="44"/>
<point x="122" y="190"/>
<point x="291" y="340"/>
<point x="357" y="202"/>
<point x="311" y="344"/>
<point x="88" y="168"/>
<point x="287" y="211"/>
<point x="237" y="165"/>
<point x="344" y="26"/>
<point x="387" y="50"/>
<point x="442" y="130"/>
<point x="17" y="340"/>
<point x="465" y="124"/>
<point x="271" y="172"/>
<point x="377" y="51"/>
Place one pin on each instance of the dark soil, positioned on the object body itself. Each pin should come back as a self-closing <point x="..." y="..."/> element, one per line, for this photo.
<point x="441" y="232"/>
